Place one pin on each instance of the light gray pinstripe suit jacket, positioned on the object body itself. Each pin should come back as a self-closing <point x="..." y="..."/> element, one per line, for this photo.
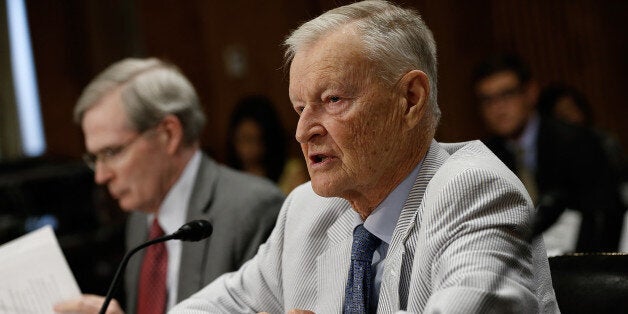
<point x="460" y="228"/>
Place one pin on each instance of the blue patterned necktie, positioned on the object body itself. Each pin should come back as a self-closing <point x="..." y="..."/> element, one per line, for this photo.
<point x="360" y="282"/>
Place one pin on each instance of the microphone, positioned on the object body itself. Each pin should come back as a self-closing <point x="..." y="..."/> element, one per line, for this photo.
<point x="192" y="231"/>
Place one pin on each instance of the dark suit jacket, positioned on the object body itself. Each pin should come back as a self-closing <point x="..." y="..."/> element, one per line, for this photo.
<point x="572" y="172"/>
<point x="242" y="210"/>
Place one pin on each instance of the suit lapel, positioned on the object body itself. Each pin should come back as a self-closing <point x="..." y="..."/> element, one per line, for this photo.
<point x="332" y="265"/>
<point x="397" y="270"/>
<point x="137" y="233"/>
<point x="193" y="254"/>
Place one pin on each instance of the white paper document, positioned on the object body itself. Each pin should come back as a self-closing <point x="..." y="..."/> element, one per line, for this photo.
<point x="562" y="236"/>
<point x="34" y="274"/>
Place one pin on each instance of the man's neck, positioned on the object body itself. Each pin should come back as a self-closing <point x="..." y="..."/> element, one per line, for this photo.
<point x="365" y="203"/>
<point x="177" y="166"/>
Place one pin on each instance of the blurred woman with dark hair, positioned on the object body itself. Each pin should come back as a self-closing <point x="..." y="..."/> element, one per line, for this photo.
<point x="565" y="103"/>
<point x="257" y="143"/>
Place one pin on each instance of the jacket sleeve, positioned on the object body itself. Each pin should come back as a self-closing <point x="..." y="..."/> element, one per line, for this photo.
<point x="476" y="228"/>
<point x="255" y="287"/>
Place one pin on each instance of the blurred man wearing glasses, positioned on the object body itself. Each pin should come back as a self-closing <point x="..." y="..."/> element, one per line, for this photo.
<point x="561" y="165"/>
<point x="141" y="119"/>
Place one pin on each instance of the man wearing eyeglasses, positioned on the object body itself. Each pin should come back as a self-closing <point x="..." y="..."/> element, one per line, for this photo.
<point x="562" y="166"/>
<point x="141" y="119"/>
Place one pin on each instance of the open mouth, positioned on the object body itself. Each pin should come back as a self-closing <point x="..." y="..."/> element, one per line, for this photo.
<point x="318" y="158"/>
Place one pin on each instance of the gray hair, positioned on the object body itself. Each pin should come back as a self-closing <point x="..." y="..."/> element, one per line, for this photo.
<point x="395" y="39"/>
<point x="150" y="90"/>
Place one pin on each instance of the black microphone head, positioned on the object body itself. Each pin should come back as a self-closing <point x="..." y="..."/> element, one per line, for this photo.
<point x="194" y="230"/>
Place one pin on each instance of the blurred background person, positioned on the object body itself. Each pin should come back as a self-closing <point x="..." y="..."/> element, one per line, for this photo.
<point x="561" y="165"/>
<point x="257" y="144"/>
<point x="141" y="119"/>
<point x="566" y="103"/>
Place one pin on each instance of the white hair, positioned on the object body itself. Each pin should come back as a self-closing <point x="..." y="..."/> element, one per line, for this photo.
<point x="395" y="39"/>
<point x="150" y="90"/>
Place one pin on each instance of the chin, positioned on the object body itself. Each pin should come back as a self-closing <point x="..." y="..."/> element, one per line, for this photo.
<point x="127" y="208"/>
<point x="127" y="205"/>
<point x="324" y="189"/>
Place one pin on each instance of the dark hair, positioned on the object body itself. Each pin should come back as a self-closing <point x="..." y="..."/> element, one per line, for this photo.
<point x="262" y="111"/>
<point x="499" y="63"/>
<point x="550" y="95"/>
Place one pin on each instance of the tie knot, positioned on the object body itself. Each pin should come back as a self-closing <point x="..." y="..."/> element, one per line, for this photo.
<point x="155" y="230"/>
<point x="364" y="244"/>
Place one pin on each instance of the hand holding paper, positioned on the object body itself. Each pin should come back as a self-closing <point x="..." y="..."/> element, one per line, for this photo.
<point x="35" y="274"/>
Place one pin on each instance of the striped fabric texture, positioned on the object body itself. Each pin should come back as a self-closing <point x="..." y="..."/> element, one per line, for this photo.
<point x="458" y="247"/>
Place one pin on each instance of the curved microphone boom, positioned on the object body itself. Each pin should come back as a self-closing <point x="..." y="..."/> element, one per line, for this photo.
<point x="195" y="230"/>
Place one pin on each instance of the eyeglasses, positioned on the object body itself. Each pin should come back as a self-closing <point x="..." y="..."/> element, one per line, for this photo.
<point x="501" y="96"/>
<point x="109" y="154"/>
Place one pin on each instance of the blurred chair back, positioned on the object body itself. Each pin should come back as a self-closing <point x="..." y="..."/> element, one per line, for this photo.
<point x="591" y="283"/>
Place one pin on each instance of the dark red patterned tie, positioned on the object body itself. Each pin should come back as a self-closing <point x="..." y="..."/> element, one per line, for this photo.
<point x="152" y="295"/>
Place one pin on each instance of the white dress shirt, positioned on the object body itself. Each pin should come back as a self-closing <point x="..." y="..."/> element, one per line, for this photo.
<point x="381" y="223"/>
<point x="527" y="142"/>
<point x="172" y="215"/>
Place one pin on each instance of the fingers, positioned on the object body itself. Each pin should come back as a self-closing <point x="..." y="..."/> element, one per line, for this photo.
<point x="87" y="304"/>
<point x="114" y="307"/>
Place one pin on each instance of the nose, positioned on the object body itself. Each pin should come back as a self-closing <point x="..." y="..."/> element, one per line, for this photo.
<point x="309" y="126"/>
<point x="102" y="173"/>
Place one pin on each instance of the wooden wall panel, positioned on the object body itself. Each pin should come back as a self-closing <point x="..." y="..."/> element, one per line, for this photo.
<point x="72" y="41"/>
<point x="577" y="42"/>
<point x="581" y="42"/>
<point x="201" y="37"/>
<point x="57" y="64"/>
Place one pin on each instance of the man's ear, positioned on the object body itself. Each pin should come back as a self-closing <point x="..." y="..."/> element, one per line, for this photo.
<point x="415" y="87"/>
<point x="172" y="134"/>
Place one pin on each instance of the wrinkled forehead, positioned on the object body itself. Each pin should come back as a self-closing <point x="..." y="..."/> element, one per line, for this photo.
<point x="334" y="59"/>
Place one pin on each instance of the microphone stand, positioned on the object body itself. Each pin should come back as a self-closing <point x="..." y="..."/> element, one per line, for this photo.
<point x="125" y="260"/>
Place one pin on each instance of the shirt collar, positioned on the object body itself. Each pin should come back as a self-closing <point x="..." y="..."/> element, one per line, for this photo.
<point x="173" y="211"/>
<point x="383" y="220"/>
<point x="527" y="140"/>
